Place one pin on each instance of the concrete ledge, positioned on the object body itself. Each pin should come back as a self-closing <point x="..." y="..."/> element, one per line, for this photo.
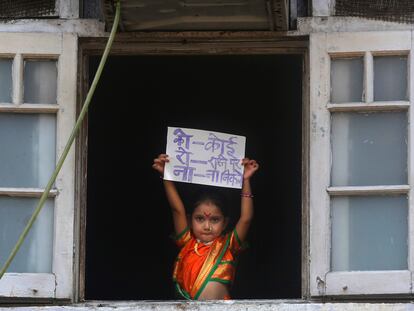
<point x="82" y="27"/>
<point x="232" y="305"/>
<point x="307" y="25"/>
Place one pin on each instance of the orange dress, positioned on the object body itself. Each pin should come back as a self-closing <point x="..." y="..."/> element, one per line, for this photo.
<point x="196" y="265"/>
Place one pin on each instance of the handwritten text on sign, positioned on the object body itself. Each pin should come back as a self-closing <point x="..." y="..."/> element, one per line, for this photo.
<point x="205" y="157"/>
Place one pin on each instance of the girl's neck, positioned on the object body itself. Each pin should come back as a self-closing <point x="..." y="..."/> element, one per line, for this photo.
<point x="205" y="243"/>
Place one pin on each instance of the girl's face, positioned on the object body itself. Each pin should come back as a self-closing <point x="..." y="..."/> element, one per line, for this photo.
<point x="207" y="222"/>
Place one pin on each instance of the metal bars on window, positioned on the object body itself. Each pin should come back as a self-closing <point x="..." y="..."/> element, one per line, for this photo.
<point x="389" y="10"/>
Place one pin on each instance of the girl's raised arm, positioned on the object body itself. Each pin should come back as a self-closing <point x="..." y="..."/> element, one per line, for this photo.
<point x="177" y="206"/>
<point x="246" y="212"/>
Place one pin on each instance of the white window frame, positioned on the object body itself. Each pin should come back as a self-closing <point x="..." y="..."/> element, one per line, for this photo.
<point x="323" y="46"/>
<point x="63" y="48"/>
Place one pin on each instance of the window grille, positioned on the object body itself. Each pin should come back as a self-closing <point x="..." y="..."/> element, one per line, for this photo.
<point x="13" y="9"/>
<point x="388" y="10"/>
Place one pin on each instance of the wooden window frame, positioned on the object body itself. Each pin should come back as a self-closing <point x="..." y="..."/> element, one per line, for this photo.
<point x="63" y="48"/>
<point x="324" y="47"/>
<point x="185" y="43"/>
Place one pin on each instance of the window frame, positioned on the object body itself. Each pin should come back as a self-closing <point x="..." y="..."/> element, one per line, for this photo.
<point x="62" y="48"/>
<point x="188" y="43"/>
<point x="323" y="47"/>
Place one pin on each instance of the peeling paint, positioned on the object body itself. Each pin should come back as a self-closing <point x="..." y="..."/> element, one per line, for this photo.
<point x="322" y="129"/>
<point x="314" y="123"/>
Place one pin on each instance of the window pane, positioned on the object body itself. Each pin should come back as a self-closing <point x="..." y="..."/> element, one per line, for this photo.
<point x="347" y="80"/>
<point x="40" y="81"/>
<point x="390" y="78"/>
<point x="369" y="233"/>
<point x="369" y="149"/>
<point x="35" y="255"/>
<point x="27" y="157"/>
<point x="6" y="84"/>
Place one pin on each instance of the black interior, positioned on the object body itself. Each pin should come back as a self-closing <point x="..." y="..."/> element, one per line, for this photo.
<point x="129" y="252"/>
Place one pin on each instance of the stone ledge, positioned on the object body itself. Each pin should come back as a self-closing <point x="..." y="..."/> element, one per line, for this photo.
<point x="231" y="305"/>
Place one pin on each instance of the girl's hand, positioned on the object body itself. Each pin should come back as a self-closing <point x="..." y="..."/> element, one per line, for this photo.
<point x="250" y="167"/>
<point x="159" y="163"/>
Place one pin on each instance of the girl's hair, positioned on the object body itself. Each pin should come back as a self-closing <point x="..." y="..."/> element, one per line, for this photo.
<point x="215" y="198"/>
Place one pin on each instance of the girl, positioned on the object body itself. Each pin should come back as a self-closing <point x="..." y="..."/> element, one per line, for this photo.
<point x="205" y="266"/>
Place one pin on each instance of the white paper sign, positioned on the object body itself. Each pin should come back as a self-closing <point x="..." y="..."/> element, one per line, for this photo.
<point x="204" y="157"/>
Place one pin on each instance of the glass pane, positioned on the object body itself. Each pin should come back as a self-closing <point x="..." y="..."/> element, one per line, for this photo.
<point x="35" y="255"/>
<point x="369" y="148"/>
<point x="369" y="233"/>
<point x="27" y="157"/>
<point x="347" y="77"/>
<point x="390" y="78"/>
<point x="6" y="84"/>
<point x="40" y="81"/>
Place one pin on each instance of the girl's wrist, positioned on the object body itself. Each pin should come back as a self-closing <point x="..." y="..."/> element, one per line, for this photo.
<point x="247" y="194"/>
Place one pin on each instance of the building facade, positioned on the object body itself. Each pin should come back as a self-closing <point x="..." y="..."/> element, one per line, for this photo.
<point x="322" y="91"/>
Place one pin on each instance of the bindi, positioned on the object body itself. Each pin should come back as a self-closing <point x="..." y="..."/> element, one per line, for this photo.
<point x="207" y="215"/>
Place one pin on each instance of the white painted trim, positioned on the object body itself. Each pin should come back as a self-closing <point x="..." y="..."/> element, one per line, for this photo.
<point x="29" y="108"/>
<point x="31" y="44"/>
<point x="322" y="47"/>
<point x="219" y="305"/>
<point x="369" y="77"/>
<point x="369" y="190"/>
<point x="25" y="192"/>
<point x="410" y="163"/>
<point x="39" y="285"/>
<point x="319" y="168"/>
<point x="63" y="48"/>
<point x="17" y="78"/>
<point x="396" y="42"/>
<point x="65" y="182"/>
<point x="368" y="282"/>
<point x="372" y="106"/>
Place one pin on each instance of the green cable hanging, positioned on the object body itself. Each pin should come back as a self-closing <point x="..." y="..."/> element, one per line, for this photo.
<point x="68" y="144"/>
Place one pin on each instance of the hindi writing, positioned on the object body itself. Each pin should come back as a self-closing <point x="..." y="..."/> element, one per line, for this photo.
<point x="205" y="157"/>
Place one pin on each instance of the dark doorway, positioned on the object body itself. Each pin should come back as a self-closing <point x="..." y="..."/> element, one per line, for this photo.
<point x="129" y="254"/>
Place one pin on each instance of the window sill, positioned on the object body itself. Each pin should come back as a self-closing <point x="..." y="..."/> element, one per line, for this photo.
<point x="229" y="305"/>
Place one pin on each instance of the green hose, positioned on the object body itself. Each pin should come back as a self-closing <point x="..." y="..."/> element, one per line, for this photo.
<point x="68" y="144"/>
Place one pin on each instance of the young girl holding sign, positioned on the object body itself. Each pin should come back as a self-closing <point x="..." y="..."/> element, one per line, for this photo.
<point x="205" y="265"/>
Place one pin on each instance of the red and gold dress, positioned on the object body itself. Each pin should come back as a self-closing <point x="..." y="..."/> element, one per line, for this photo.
<point x="198" y="263"/>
